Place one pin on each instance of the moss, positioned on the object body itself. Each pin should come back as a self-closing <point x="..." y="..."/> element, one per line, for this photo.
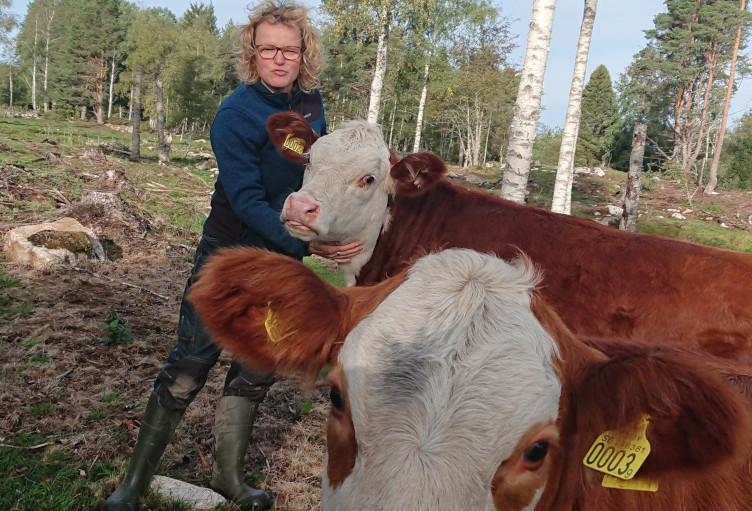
<point x="76" y="242"/>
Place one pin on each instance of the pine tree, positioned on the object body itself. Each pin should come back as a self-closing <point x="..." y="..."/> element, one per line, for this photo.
<point x="598" y="120"/>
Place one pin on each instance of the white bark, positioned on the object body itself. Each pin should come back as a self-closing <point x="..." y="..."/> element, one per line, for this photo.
<point x="421" y="107"/>
<point x="527" y="106"/>
<point x="562" y="199"/>
<point x="377" y="84"/>
<point x="34" y="59"/>
<point x="112" y="85"/>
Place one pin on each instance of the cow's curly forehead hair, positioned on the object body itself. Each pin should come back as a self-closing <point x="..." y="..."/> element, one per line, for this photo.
<point x="293" y="15"/>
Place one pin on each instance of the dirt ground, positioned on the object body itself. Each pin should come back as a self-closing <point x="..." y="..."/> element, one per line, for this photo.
<point x="92" y="394"/>
<point x="95" y="393"/>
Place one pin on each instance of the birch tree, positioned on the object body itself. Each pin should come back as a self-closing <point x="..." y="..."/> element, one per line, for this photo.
<point x="527" y="106"/>
<point x="562" y="198"/>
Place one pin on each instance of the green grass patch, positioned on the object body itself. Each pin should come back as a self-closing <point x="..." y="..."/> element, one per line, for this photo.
<point x="10" y="306"/>
<point x="696" y="231"/>
<point x="38" y="477"/>
<point x="327" y="270"/>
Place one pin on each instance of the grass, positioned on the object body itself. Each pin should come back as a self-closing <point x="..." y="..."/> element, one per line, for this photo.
<point x="10" y="306"/>
<point x="34" y="476"/>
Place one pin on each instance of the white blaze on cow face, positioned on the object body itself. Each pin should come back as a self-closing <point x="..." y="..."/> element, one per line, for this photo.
<point x="447" y="385"/>
<point x="345" y="190"/>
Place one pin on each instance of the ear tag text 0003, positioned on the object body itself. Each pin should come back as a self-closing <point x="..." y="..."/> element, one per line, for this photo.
<point x="619" y="456"/>
<point x="294" y="144"/>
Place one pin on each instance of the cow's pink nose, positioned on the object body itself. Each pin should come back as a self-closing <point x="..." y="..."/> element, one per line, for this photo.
<point x="301" y="209"/>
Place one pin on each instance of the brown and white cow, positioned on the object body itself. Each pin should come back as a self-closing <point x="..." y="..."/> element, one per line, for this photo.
<point x="457" y="387"/>
<point x="605" y="284"/>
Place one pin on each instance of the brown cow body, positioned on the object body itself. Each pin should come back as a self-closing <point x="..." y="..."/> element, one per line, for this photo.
<point x="454" y="375"/>
<point x="604" y="283"/>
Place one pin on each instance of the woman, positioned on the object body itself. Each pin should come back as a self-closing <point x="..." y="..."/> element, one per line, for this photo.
<point x="279" y="60"/>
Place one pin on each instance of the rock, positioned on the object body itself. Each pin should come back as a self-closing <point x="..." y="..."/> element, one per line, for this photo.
<point x="615" y="210"/>
<point x="678" y="216"/>
<point x="41" y="246"/>
<point x="195" y="496"/>
<point x="473" y="180"/>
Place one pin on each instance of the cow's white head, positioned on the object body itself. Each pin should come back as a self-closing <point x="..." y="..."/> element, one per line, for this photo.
<point x="444" y="395"/>
<point x="349" y="177"/>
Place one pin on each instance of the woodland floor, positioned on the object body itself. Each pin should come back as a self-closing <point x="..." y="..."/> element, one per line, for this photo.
<point x="58" y="380"/>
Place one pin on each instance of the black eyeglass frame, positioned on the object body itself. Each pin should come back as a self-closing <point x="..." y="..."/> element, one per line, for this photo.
<point x="268" y="47"/>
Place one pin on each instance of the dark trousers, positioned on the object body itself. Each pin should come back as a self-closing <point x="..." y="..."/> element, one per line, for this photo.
<point x="187" y="366"/>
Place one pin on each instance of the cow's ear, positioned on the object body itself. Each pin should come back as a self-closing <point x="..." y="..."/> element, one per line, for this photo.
<point x="270" y="311"/>
<point x="275" y="314"/>
<point x="696" y="419"/>
<point x="291" y="135"/>
<point x="417" y="172"/>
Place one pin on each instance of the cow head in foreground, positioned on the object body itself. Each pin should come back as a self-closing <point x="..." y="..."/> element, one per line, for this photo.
<point x="457" y="387"/>
<point x="353" y="169"/>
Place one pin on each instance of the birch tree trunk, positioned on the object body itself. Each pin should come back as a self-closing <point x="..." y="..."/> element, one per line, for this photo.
<point x="713" y="174"/>
<point x="163" y="147"/>
<point x="34" y="59"/>
<point x="527" y="106"/>
<point x="112" y="85"/>
<point x="562" y="199"/>
<point x="630" y="200"/>
<point x="47" y="37"/>
<point x="136" y="108"/>
<point x="377" y="84"/>
<point x="421" y="106"/>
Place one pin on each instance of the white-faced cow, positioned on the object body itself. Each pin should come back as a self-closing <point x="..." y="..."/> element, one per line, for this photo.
<point x="605" y="284"/>
<point x="458" y="388"/>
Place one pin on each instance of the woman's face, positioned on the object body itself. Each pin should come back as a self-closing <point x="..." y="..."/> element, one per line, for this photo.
<point x="277" y="73"/>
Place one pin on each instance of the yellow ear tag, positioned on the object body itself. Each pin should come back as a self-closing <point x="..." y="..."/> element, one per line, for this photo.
<point x="638" y="483"/>
<point x="272" y="326"/>
<point x="294" y="144"/>
<point x="618" y="456"/>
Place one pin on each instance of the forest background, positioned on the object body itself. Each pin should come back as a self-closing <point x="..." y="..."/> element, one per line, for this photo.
<point x="449" y="63"/>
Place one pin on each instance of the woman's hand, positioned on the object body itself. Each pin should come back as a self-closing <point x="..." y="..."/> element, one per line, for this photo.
<point x="334" y="251"/>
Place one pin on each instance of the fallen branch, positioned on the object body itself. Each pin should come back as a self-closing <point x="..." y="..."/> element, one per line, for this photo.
<point x="38" y="446"/>
<point x="200" y="455"/>
<point x="163" y="297"/>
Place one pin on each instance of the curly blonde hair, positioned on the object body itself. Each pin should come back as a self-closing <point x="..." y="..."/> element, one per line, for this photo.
<point x="293" y="15"/>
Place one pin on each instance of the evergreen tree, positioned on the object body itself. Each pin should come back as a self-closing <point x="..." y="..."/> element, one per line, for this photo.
<point x="87" y="36"/>
<point x="737" y="156"/>
<point x="598" y="120"/>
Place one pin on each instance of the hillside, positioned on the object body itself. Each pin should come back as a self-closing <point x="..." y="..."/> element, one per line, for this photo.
<point x="71" y="401"/>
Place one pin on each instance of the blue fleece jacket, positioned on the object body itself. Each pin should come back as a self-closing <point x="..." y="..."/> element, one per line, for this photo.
<point x="254" y="180"/>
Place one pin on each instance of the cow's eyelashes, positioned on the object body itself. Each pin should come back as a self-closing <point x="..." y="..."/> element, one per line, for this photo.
<point x="336" y="398"/>
<point x="367" y="180"/>
<point x="535" y="454"/>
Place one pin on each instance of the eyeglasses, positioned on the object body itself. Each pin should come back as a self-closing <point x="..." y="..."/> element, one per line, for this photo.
<point x="268" y="52"/>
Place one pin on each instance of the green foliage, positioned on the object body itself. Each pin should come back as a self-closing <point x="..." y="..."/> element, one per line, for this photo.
<point x="116" y="328"/>
<point x="304" y="409"/>
<point x="546" y="147"/>
<point x="598" y="120"/>
<point x="737" y="156"/>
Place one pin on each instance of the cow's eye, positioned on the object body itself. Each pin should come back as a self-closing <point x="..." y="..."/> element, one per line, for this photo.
<point x="367" y="180"/>
<point x="336" y="398"/>
<point x="535" y="453"/>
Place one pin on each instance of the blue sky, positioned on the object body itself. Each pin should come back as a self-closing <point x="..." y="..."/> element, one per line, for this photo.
<point x="617" y="36"/>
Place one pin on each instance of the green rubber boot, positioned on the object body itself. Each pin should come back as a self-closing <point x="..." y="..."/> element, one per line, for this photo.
<point x="157" y="427"/>
<point x="232" y="432"/>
